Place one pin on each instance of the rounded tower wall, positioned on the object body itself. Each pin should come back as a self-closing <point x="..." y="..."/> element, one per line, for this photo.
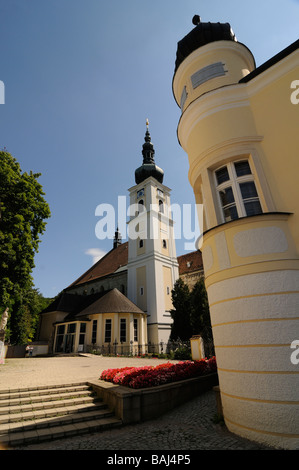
<point x="212" y="66"/>
<point x="250" y="257"/>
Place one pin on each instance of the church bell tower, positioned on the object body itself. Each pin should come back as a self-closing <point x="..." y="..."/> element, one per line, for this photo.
<point x="152" y="262"/>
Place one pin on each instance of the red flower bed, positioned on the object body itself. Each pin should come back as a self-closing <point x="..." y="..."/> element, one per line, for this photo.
<point x="151" y="376"/>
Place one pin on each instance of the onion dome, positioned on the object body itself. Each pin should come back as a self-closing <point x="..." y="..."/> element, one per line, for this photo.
<point x="148" y="167"/>
<point x="202" y="34"/>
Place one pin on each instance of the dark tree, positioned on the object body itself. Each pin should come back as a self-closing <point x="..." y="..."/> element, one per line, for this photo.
<point x="191" y="314"/>
<point x="181" y="327"/>
<point x="200" y="315"/>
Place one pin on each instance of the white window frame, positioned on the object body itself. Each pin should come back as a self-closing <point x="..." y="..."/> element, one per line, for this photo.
<point x="234" y="182"/>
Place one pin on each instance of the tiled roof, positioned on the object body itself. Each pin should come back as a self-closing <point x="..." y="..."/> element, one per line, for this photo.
<point x="112" y="302"/>
<point x="71" y="303"/>
<point x="75" y="305"/>
<point x="190" y="262"/>
<point x="109" y="264"/>
<point x="118" y="257"/>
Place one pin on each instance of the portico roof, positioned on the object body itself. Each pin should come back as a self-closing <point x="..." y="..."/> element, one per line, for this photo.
<point x="112" y="302"/>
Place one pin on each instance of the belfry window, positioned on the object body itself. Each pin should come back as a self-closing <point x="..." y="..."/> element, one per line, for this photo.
<point x="161" y="206"/>
<point x="141" y="207"/>
<point x="236" y="191"/>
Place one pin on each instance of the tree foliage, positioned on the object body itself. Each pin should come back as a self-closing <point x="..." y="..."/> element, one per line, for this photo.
<point x="23" y="211"/>
<point x="181" y="301"/>
<point x="191" y="314"/>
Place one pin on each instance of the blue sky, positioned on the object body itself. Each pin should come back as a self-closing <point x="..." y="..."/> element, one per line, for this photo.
<point x="81" y="77"/>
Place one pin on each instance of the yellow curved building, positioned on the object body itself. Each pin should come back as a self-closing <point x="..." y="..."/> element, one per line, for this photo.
<point x="239" y="127"/>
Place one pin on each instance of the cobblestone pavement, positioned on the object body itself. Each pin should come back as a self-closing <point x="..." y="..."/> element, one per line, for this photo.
<point x="188" y="427"/>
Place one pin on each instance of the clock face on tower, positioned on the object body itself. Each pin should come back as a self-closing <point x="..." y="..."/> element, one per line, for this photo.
<point x="140" y="193"/>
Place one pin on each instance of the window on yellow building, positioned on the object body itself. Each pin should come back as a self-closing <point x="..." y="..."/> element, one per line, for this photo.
<point x="94" y="331"/>
<point x="123" y="330"/>
<point x="236" y="190"/>
<point x="135" y="329"/>
<point x="108" y="330"/>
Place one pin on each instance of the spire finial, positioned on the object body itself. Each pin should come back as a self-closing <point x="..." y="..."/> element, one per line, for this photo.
<point x="147" y="124"/>
<point x="196" y="20"/>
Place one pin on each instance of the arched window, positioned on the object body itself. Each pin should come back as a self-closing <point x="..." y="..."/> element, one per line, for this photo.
<point x="161" y="206"/>
<point x="141" y="207"/>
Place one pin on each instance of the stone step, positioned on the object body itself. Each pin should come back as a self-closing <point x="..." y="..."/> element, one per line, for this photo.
<point x="13" y="439"/>
<point x="32" y="399"/>
<point x="41" y="405"/>
<point x="54" y="420"/>
<point x="23" y="393"/>
<point x="51" y="412"/>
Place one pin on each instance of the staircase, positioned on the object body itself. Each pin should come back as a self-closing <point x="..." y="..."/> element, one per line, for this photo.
<point x="33" y="415"/>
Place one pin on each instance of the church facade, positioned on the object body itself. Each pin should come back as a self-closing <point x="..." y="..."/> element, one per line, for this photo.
<point x="123" y="302"/>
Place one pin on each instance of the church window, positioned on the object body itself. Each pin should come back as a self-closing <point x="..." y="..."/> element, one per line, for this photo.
<point x="123" y="330"/>
<point x="141" y="290"/>
<point x="94" y="331"/>
<point x="161" y="206"/>
<point x="164" y="244"/>
<point x="168" y="290"/>
<point x="59" y="338"/>
<point x="141" y="207"/>
<point x="108" y="330"/>
<point x="135" y="329"/>
<point x="70" y="338"/>
<point x="71" y="328"/>
<point x="236" y="190"/>
<point x="140" y="243"/>
<point x="82" y="333"/>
